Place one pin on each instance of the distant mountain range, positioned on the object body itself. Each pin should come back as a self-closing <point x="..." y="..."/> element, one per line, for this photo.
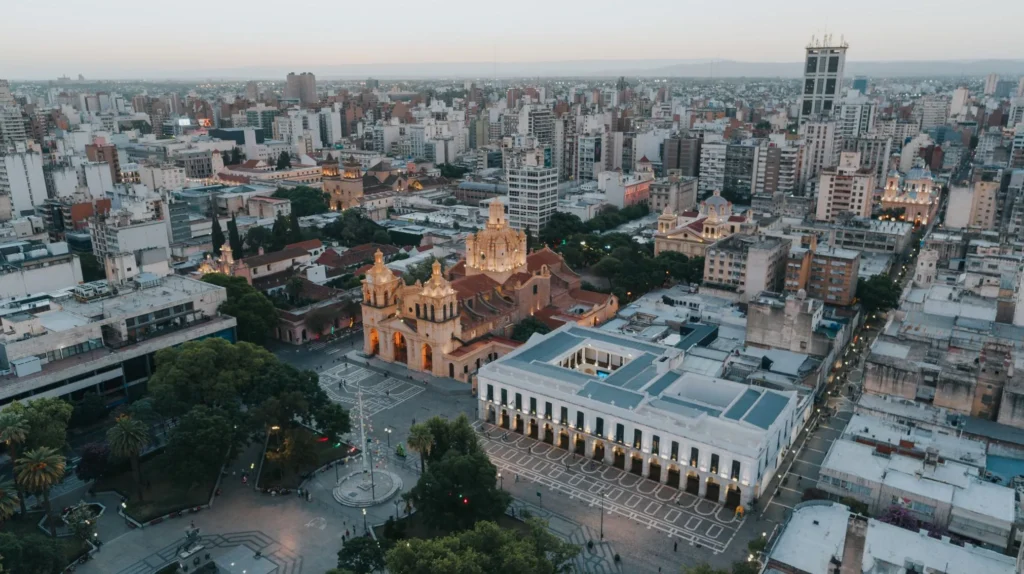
<point x="581" y="69"/>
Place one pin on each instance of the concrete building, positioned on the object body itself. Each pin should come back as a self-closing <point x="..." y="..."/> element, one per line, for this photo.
<point x="778" y="165"/>
<point x="260" y="116"/>
<point x="87" y="339"/>
<point x="746" y="265"/>
<point x="198" y="164"/>
<point x="162" y="177"/>
<point x="589" y="157"/>
<point x="301" y="87"/>
<point x="30" y="267"/>
<point x="859" y="234"/>
<point x="845" y="188"/>
<point x="728" y="167"/>
<point x="931" y="111"/>
<point x="823" y="78"/>
<point x="874" y="151"/>
<point x="825" y="537"/>
<point x="793" y="323"/>
<point x="128" y="245"/>
<point x="537" y="121"/>
<point x="103" y="153"/>
<point x="856" y="115"/>
<point x="831" y="275"/>
<point x="682" y="153"/>
<point x="13" y="135"/>
<point x="532" y="189"/>
<point x="622" y="190"/>
<point x="822" y="146"/>
<point x="935" y="491"/>
<point x="673" y="193"/>
<point x="630" y="404"/>
<point x="22" y="179"/>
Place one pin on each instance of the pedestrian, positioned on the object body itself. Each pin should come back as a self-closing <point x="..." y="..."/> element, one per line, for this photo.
<point x="517" y="477"/>
<point x="675" y="547"/>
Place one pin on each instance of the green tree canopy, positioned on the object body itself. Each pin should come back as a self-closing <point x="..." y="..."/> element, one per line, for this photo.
<point x="47" y="420"/>
<point x="234" y="239"/>
<point x="382" y="236"/>
<point x="485" y="548"/>
<point x="198" y="444"/>
<point x="879" y="293"/>
<point x="217" y="237"/>
<point x="305" y="200"/>
<point x="92" y="269"/>
<point x="257" y="238"/>
<point x="527" y="327"/>
<point x="421" y="271"/>
<point x="362" y="555"/>
<point x="284" y="161"/>
<point x="352" y="228"/>
<point x="31" y="554"/>
<point x="451" y="171"/>
<point x="255" y="313"/>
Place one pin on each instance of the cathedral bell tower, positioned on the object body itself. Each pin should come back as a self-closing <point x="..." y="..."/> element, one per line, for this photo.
<point x="437" y="322"/>
<point x="380" y="302"/>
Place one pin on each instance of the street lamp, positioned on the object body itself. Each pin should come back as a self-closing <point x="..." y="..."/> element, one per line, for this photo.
<point x="602" y="515"/>
<point x="396" y="508"/>
<point x="366" y="529"/>
<point x="389" y="430"/>
<point x="501" y="482"/>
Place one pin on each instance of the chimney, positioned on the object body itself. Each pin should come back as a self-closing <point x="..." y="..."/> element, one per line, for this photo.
<point x="260" y="251"/>
<point x="853" y="550"/>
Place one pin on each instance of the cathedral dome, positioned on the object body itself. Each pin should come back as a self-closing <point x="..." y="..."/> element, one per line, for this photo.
<point x="498" y="249"/>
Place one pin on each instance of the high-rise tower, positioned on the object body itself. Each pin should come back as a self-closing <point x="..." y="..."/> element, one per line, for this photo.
<point x="823" y="78"/>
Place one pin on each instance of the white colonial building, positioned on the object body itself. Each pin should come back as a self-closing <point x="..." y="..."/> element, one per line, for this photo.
<point x="630" y="404"/>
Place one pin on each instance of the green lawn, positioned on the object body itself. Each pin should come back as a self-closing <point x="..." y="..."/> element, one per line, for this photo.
<point x="278" y="475"/>
<point x="72" y="546"/>
<point x="161" y="494"/>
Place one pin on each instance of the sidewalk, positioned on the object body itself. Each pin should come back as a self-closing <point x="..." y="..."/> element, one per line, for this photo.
<point x="399" y="371"/>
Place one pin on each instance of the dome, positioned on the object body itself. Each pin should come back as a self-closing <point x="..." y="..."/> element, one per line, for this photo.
<point x="716" y="199"/>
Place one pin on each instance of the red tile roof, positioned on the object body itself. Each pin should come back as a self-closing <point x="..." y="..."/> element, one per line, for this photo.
<point x="249" y="164"/>
<point x="591" y="297"/>
<point x="274" y="257"/>
<point x="691" y="213"/>
<point x="307" y="244"/>
<point x="468" y="287"/>
<point x="547" y="316"/>
<point x="737" y="218"/>
<point x="521" y="277"/>
<point x="697" y="225"/>
<point x="542" y="257"/>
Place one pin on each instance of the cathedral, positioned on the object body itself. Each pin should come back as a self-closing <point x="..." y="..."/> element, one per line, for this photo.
<point x="454" y="323"/>
<point x="692" y="232"/>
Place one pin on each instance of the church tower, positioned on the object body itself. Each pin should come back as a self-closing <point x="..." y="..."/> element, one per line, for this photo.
<point x="667" y="221"/>
<point x="380" y="302"/>
<point x="345" y="184"/>
<point x="331" y="179"/>
<point x="497" y="251"/>
<point x="437" y="323"/>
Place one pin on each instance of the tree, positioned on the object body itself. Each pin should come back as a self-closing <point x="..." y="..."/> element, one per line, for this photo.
<point x="95" y="460"/>
<point x="460" y="490"/>
<point x="199" y="443"/>
<point x="421" y="441"/>
<point x="452" y="172"/>
<point x="607" y="268"/>
<point x="91" y="268"/>
<point x="280" y="233"/>
<point x="855" y="505"/>
<point x="450" y="201"/>
<point x="284" y="161"/>
<point x="879" y="293"/>
<point x="485" y="548"/>
<point x="381" y="236"/>
<point x="901" y="516"/>
<point x="234" y="239"/>
<point x="527" y="327"/>
<point x="746" y="567"/>
<point x="225" y="157"/>
<point x="258" y="238"/>
<point x="237" y="156"/>
<point x="421" y="271"/>
<point x="294" y="229"/>
<point x="703" y="569"/>
<point x="299" y="450"/>
<point x="32" y="553"/>
<point x="38" y="470"/>
<point x="560" y="227"/>
<point x="91" y="409"/>
<point x="217" y="236"/>
<point x="127" y="438"/>
<point x="255" y="313"/>
<point x="294" y="288"/>
<point x="362" y="555"/>
<point x="305" y="200"/>
<point x="13" y="433"/>
<point x="9" y="499"/>
<point x="80" y="521"/>
<point x="47" y="420"/>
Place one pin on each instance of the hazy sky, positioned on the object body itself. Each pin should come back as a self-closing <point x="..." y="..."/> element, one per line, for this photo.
<point x="120" y="38"/>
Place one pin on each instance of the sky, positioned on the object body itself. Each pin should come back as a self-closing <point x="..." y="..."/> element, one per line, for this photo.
<point x="134" y="39"/>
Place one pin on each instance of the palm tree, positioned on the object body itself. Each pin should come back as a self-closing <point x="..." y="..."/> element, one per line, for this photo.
<point x="13" y="432"/>
<point x="8" y="500"/>
<point x="37" y="471"/>
<point x="127" y="438"/>
<point x="421" y="440"/>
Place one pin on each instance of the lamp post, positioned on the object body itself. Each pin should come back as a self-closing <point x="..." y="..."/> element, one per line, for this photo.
<point x="501" y="482"/>
<point x="602" y="515"/>
<point x="396" y="508"/>
<point x="366" y="529"/>
<point x="389" y="430"/>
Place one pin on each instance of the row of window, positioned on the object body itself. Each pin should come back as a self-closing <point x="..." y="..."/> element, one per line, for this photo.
<point x="620" y="431"/>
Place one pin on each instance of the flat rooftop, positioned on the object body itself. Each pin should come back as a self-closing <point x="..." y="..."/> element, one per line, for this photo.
<point x="816" y="533"/>
<point x="170" y="289"/>
<point x="653" y="385"/>
<point x="965" y="450"/>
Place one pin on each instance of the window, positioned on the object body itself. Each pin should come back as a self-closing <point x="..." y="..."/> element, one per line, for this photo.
<point x="534" y="289"/>
<point x="533" y="406"/>
<point x="812" y="64"/>
<point x="490" y="393"/>
<point x="563" y="416"/>
<point x="620" y="433"/>
<point x="674" y="454"/>
<point x="504" y="397"/>
<point x="519" y="401"/>
<point x="694" y="456"/>
<point x="547" y="411"/>
<point x="655" y="444"/>
<point x="599" y="427"/>
<point x="579" y="420"/>
<point x="638" y="437"/>
<point x="714" y="464"/>
<point x="735" y="474"/>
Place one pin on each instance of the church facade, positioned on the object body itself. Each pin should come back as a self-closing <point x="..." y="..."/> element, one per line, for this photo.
<point x="453" y="324"/>
<point x="692" y="232"/>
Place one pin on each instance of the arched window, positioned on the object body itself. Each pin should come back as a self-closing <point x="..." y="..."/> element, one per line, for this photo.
<point x="417" y="310"/>
<point x="444" y="313"/>
<point x="432" y="309"/>
<point x="451" y="370"/>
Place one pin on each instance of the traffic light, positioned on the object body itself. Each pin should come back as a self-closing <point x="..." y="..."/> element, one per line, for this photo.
<point x="465" y="501"/>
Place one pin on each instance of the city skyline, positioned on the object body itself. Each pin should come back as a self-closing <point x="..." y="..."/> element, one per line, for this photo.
<point x="530" y="33"/>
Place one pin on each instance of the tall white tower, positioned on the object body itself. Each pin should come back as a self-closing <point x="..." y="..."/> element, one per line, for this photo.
<point x="823" y="77"/>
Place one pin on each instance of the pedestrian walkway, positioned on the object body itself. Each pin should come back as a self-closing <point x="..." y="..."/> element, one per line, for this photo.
<point x="598" y="559"/>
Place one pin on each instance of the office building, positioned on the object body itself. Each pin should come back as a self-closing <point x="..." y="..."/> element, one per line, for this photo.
<point x="845" y="188"/>
<point x="532" y="189"/>
<point x="13" y="135"/>
<point x="673" y="193"/>
<point x="87" y="339"/>
<point x="991" y="81"/>
<point x="823" y="78"/>
<point x="931" y="111"/>
<point x="874" y="153"/>
<point x="860" y="83"/>
<point x="727" y="167"/>
<point x="30" y="267"/>
<point x="822" y="146"/>
<point x="301" y="87"/>
<point x="261" y="116"/>
<point x="589" y="157"/>
<point x="162" y="176"/>
<point x="22" y="179"/>
<point x="682" y="153"/>
<point x="778" y="165"/>
<point x="856" y="115"/>
<point x="745" y="265"/>
<point x="630" y="404"/>
<point x="537" y="121"/>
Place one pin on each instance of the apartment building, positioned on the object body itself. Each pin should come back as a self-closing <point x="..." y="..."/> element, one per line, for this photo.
<point x="746" y="264"/>
<point x="675" y="193"/>
<point x="845" y="188"/>
<point x="532" y="189"/>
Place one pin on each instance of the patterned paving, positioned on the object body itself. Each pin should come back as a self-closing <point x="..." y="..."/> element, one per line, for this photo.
<point x="287" y="562"/>
<point x="343" y="382"/>
<point x="598" y="560"/>
<point x="650" y="504"/>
